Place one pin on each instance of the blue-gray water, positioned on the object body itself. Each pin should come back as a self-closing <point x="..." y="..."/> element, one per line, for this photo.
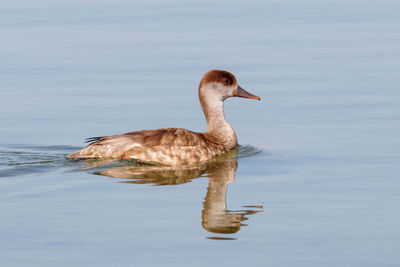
<point x="317" y="175"/>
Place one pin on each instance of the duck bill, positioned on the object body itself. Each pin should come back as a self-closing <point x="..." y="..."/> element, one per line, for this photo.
<point x="240" y="92"/>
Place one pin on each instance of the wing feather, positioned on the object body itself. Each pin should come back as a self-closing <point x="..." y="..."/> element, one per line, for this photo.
<point x="169" y="146"/>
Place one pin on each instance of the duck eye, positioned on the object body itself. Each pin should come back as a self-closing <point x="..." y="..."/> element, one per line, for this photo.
<point x="225" y="81"/>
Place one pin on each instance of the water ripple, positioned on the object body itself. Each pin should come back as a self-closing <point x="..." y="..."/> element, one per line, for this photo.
<point x="19" y="160"/>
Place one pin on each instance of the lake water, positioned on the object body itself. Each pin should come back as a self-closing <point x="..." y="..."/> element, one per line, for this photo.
<point x="315" y="181"/>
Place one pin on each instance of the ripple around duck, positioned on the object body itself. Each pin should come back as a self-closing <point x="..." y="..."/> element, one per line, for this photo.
<point x="22" y="159"/>
<point x="248" y="151"/>
<point x="19" y="160"/>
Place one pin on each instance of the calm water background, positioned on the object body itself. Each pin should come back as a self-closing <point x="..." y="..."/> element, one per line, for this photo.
<point x="326" y="132"/>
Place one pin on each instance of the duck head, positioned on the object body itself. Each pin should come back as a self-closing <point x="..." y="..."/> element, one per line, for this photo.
<point x="221" y="84"/>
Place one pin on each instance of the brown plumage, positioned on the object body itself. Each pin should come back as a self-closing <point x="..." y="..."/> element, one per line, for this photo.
<point x="176" y="146"/>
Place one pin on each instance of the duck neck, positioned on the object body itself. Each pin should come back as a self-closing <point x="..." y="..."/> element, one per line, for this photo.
<point x="217" y="126"/>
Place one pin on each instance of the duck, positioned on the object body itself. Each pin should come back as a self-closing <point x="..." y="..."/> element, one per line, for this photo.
<point x="177" y="146"/>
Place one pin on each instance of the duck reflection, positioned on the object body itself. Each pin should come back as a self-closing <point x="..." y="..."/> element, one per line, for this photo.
<point x="220" y="172"/>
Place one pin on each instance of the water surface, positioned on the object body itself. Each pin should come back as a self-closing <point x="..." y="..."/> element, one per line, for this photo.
<point x="314" y="183"/>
